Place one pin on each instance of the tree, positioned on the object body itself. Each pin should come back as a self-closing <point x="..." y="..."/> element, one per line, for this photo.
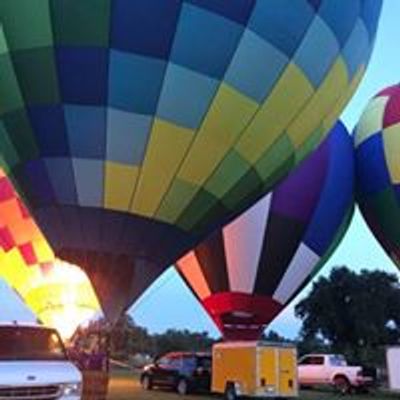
<point x="305" y="345"/>
<point x="356" y="314"/>
<point x="315" y="344"/>
<point x="177" y="340"/>
<point x="274" y="337"/>
<point x="128" y="339"/>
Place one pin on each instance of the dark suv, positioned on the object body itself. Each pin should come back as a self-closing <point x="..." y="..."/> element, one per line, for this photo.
<point x="183" y="372"/>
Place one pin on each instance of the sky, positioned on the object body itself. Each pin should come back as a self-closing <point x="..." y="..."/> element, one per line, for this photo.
<point x="169" y="304"/>
<point x="12" y="306"/>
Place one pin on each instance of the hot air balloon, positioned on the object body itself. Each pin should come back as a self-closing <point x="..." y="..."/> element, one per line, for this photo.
<point x="133" y="129"/>
<point x="61" y="297"/>
<point x="247" y="272"/>
<point x="377" y="146"/>
<point x="59" y="294"/>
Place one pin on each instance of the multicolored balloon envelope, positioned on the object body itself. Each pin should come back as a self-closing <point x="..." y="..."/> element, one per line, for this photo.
<point x="377" y="143"/>
<point x="59" y="294"/>
<point x="133" y="129"/>
<point x="246" y="273"/>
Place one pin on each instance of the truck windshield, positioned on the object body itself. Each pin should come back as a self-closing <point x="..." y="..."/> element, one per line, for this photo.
<point x="30" y="344"/>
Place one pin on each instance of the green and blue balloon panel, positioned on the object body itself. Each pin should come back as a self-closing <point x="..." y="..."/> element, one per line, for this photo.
<point x="247" y="272"/>
<point x="132" y="129"/>
<point x="377" y="146"/>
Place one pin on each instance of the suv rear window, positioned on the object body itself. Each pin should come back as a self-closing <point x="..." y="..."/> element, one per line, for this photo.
<point x="30" y="344"/>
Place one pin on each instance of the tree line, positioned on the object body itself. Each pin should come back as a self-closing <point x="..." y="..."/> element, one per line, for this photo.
<point x="127" y="339"/>
<point x="355" y="314"/>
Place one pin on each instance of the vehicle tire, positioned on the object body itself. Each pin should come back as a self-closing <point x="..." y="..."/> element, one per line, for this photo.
<point x="342" y="385"/>
<point x="230" y="392"/>
<point x="182" y="387"/>
<point x="147" y="384"/>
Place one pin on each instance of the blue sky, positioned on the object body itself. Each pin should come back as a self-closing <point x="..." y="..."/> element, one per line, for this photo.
<point x="169" y="304"/>
<point x="12" y="307"/>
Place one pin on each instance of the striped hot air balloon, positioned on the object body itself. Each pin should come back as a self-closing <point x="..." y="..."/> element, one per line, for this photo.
<point x="247" y="272"/>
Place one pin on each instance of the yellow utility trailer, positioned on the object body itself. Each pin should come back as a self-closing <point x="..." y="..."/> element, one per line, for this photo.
<point x="254" y="369"/>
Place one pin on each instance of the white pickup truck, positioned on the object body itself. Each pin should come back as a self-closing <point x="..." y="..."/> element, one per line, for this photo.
<point x="331" y="369"/>
<point x="34" y="365"/>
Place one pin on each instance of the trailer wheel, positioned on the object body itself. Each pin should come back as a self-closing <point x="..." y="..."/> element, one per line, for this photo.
<point x="230" y="392"/>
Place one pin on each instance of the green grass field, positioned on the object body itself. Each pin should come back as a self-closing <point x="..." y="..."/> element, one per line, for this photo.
<point x="124" y="386"/>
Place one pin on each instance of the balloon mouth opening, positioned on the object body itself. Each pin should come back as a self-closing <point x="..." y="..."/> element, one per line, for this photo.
<point x="242" y="314"/>
<point x="239" y="318"/>
<point x="244" y="328"/>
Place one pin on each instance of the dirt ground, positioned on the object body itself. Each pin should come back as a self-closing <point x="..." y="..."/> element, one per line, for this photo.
<point x="124" y="386"/>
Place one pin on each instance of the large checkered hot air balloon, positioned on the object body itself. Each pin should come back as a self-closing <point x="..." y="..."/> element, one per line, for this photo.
<point x="377" y="147"/>
<point x="134" y="128"/>
<point x="59" y="294"/>
<point x="246" y="273"/>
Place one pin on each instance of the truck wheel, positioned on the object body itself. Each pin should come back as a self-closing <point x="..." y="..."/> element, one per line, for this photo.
<point x="230" y="392"/>
<point x="342" y="385"/>
<point x="147" y="384"/>
<point x="182" y="387"/>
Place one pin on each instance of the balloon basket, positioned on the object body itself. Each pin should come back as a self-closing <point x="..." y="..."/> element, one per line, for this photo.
<point x="95" y="385"/>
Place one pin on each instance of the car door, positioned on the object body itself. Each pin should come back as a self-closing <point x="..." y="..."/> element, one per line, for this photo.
<point x="311" y="370"/>
<point x="168" y="370"/>
<point x="160" y="370"/>
<point x="173" y="370"/>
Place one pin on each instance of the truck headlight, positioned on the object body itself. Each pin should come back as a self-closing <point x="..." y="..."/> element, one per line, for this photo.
<point x="72" y="389"/>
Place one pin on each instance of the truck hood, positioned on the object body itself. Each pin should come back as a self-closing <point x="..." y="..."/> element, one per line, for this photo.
<point x="351" y="368"/>
<point x="32" y="373"/>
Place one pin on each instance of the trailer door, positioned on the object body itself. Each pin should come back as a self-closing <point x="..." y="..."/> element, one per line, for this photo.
<point x="267" y="376"/>
<point x="287" y="372"/>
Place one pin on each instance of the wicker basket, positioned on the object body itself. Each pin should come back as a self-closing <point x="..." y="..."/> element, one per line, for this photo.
<point x="95" y="385"/>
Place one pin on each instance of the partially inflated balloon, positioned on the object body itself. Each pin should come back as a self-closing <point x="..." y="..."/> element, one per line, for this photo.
<point x="246" y="273"/>
<point x="61" y="297"/>
<point x="59" y="294"/>
<point x="377" y="144"/>
<point x="134" y="128"/>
